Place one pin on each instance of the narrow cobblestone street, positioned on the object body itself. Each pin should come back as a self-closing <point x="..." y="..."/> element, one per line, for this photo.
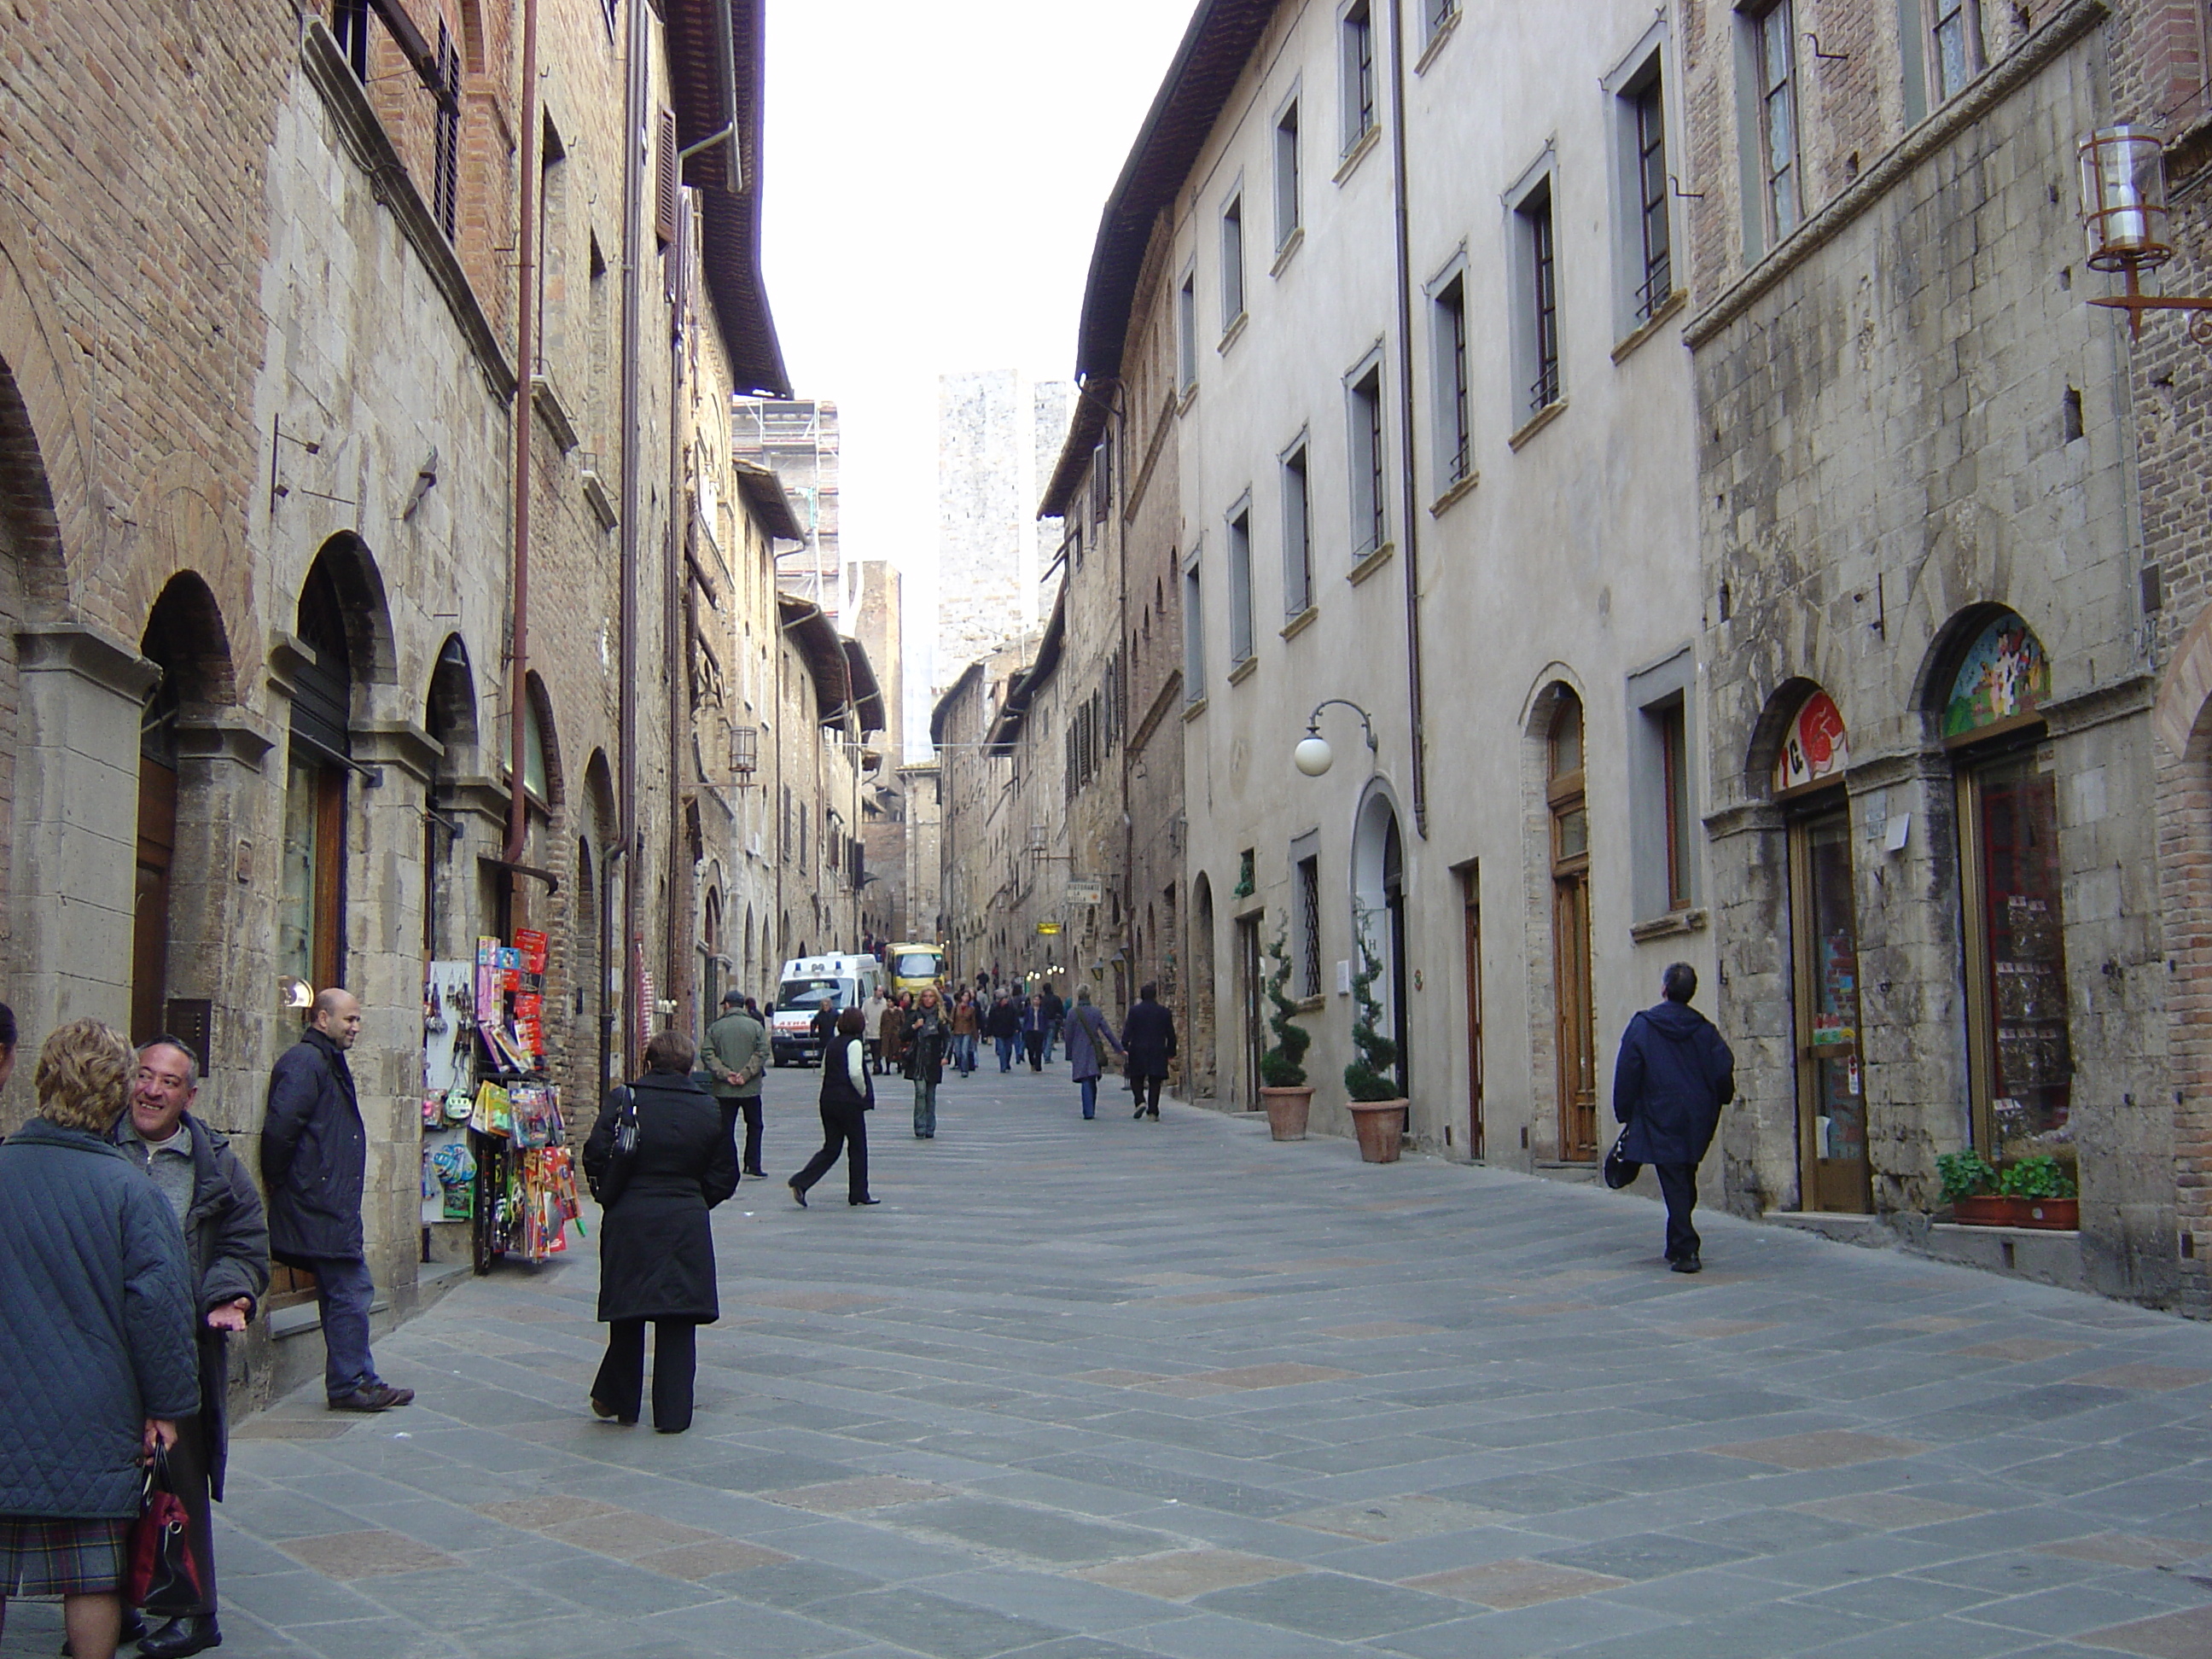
<point x="1078" y="1390"/>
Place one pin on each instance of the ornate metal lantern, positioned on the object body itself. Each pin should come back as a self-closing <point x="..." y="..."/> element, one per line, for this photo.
<point x="2124" y="213"/>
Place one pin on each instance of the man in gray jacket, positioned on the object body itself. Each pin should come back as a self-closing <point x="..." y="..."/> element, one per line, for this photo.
<point x="226" y="1242"/>
<point x="735" y="1056"/>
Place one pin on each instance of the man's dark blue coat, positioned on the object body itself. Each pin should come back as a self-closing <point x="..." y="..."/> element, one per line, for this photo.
<point x="314" y="1154"/>
<point x="1674" y="1076"/>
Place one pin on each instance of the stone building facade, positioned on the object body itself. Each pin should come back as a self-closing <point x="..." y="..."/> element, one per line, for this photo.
<point x="1931" y="758"/>
<point x="1442" y="489"/>
<point x="267" y="665"/>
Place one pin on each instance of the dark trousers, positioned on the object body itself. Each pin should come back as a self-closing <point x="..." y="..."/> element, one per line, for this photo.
<point x="1678" y="1183"/>
<point x="344" y="1290"/>
<point x="621" y="1381"/>
<point x="749" y="1106"/>
<point x="844" y="1129"/>
<point x="188" y="1474"/>
<point x="1034" y="1041"/>
<point x="1005" y="1052"/>
<point x="1147" y="1092"/>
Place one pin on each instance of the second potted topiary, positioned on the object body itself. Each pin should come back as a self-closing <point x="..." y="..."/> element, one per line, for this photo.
<point x="1285" y="1092"/>
<point x="1377" y="1109"/>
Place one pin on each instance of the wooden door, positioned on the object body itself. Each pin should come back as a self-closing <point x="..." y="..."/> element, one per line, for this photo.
<point x="1471" y="933"/>
<point x="1249" y="1004"/>
<point x="1835" y="1172"/>
<point x="149" y="945"/>
<point x="1574" y="1020"/>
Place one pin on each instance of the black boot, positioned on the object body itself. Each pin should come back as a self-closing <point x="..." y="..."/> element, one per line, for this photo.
<point x="195" y="1634"/>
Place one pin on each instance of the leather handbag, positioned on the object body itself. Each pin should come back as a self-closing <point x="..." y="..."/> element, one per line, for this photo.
<point x="1620" y="1169"/>
<point x="608" y="1188"/>
<point x="161" y="1575"/>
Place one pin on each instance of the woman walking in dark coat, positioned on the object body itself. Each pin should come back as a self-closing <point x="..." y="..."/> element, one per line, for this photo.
<point x="922" y="1043"/>
<point x="96" y="1355"/>
<point x="848" y="1094"/>
<point x="1036" y="1026"/>
<point x="1088" y="1037"/>
<point x="656" y="1243"/>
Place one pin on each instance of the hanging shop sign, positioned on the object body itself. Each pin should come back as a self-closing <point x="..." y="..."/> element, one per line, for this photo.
<point x="1085" y="892"/>
<point x="1047" y="928"/>
<point x="2005" y="675"/>
<point x="1814" y="748"/>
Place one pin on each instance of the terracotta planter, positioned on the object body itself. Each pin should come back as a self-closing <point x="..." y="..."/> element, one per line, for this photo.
<point x="1380" y="1124"/>
<point x="2062" y="1215"/>
<point x="1286" y="1110"/>
<point x="1989" y="1210"/>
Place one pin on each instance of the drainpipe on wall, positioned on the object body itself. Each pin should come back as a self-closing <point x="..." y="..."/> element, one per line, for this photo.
<point x="1410" y="509"/>
<point x="525" y="348"/>
<point x="682" y="879"/>
<point x="632" y="303"/>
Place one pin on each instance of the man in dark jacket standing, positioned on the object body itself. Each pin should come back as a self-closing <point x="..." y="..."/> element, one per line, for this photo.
<point x="314" y="1159"/>
<point x="226" y="1244"/>
<point x="735" y="1055"/>
<point x="1674" y="1076"/>
<point x="1148" y="1036"/>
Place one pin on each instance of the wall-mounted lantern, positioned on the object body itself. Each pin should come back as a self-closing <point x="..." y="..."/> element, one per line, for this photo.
<point x="2124" y="213"/>
<point x="1313" y="755"/>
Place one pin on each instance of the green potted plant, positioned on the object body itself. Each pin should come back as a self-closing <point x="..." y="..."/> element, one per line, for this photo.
<point x="1377" y="1108"/>
<point x="1285" y="1092"/>
<point x="1970" y="1187"/>
<point x="2042" y="1193"/>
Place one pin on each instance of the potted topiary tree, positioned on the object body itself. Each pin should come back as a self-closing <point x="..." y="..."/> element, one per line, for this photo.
<point x="1285" y="1092"/>
<point x="1377" y="1108"/>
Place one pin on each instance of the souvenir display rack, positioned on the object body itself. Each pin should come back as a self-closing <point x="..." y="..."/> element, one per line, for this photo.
<point x="495" y="1152"/>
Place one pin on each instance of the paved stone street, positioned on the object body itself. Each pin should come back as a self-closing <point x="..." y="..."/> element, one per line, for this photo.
<point x="1078" y="1390"/>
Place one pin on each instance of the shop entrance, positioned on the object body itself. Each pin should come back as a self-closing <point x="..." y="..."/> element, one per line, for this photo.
<point x="1834" y="1169"/>
<point x="1247" y="998"/>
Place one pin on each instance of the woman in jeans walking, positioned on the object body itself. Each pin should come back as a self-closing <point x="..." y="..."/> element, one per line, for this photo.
<point x="966" y="1023"/>
<point x="1088" y="1038"/>
<point x="923" y="1042"/>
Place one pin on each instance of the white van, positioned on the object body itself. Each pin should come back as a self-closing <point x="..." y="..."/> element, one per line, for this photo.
<point x="808" y="983"/>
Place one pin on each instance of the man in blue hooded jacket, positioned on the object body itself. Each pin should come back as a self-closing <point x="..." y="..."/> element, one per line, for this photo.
<point x="1674" y="1076"/>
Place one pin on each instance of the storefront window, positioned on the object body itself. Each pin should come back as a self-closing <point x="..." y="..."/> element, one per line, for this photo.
<point x="2022" y="1054"/>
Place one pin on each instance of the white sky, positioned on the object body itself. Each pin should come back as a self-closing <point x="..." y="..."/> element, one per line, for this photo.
<point x="932" y="184"/>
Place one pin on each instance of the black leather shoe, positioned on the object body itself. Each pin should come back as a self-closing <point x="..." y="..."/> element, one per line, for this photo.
<point x="797" y="1192"/>
<point x="863" y="1200"/>
<point x="1688" y="1264"/>
<point x="183" y="1635"/>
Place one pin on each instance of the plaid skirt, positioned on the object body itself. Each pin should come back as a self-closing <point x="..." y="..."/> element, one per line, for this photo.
<point x="61" y="1555"/>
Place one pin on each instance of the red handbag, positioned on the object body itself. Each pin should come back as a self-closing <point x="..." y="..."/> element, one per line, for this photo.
<point x="162" y="1577"/>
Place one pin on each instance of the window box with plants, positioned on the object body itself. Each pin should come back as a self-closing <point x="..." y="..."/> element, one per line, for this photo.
<point x="1378" y="1111"/>
<point x="1284" y="1092"/>
<point x="2029" y="1192"/>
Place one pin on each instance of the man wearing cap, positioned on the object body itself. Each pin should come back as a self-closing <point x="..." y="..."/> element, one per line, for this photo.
<point x="735" y="1058"/>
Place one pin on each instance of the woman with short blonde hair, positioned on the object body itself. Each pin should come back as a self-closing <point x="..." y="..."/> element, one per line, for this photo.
<point x="97" y="1358"/>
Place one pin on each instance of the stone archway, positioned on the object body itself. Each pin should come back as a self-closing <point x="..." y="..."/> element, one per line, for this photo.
<point x="1205" y="1057"/>
<point x="191" y="789"/>
<point x="1379" y="921"/>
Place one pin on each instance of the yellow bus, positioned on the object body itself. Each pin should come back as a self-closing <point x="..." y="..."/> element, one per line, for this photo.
<point x="915" y="967"/>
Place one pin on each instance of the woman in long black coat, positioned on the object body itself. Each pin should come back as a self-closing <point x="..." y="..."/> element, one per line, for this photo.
<point x="656" y="1243"/>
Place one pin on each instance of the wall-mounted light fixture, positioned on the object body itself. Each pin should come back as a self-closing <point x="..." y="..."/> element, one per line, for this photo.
<point x="2124" y="213"/>
<point x="1313" y="755"/>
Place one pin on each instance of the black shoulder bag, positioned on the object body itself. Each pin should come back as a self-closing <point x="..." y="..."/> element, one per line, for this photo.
<point x="623" y="1160"/>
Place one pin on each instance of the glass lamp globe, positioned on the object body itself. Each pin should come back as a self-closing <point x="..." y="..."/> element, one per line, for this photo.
<point x="1312" y="755"/>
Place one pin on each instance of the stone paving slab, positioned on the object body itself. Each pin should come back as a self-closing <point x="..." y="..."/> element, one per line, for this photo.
<point x="1095" y="1391"/>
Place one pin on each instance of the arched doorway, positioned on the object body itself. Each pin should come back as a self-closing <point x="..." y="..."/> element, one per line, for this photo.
<point x="1835" y="1170"/>
<point x="1378" y="906"/>
<point x="185" y="638"/>
<point x="452" y="906"/>
<point x="311" y="907"/>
